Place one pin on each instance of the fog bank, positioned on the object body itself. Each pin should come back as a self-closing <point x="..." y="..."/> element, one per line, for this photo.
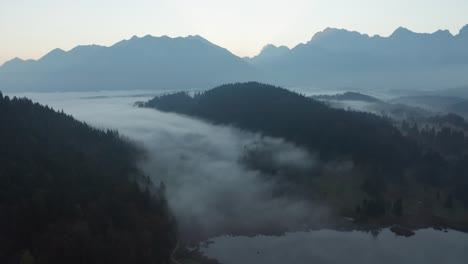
<point x="209" y="187"/>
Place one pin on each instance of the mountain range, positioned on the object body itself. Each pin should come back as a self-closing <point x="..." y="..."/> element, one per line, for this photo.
<point x="135" y="64"/>
<point x="333" y="58"/>
<point x="339" y="58"/>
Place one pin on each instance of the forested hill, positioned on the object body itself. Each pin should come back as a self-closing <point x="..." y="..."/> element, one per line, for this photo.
<point x="391" y="163"/>
<point x="278" y="112"/>
<point x="70" y="193"/>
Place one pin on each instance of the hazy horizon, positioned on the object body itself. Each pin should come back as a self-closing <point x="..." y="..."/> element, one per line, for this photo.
<point x="251" y="56"/>
<point x="242" y="27"/>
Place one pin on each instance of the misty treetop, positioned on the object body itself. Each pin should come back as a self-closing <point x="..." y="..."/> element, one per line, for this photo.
<point x="71" y="193"/>
<point x="348" y="96"/>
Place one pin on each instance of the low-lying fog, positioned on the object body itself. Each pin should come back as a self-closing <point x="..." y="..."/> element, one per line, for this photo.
<point x="209" y="189"/>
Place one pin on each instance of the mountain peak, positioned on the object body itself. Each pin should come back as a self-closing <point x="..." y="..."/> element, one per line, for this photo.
<point x="271" y="48"/>
<point x="198" y="37"/>
<point x="337" y="34"/>
<point x="271" y="51"/>
<point x="146" y="37"/>
<point x="267" y="48"/>
<point x="401" y="32"/>
<point x="86" y="48"/>
<point x="12" y="62"/>
<point x="444" y="33"/>
<point x="151" y="38"/>
<point x="16" y="59"/>
<point x="54" y="53"/>
<point x="327" y="32"/>
<point x="464" y="31"/>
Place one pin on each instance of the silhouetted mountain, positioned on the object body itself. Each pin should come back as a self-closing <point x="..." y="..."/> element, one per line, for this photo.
<point x="340" y="58"/>
<point x="388" y="160"/>
<point x="334" y="58"/>
<point x="463" y="34"/>
<point x="138" y="63"/>
<point x="70" y="193"/>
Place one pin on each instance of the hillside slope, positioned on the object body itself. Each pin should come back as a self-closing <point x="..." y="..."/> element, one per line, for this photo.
<point x="70" y="193"/>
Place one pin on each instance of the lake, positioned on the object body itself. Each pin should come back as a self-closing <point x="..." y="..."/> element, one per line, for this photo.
<point x="428" y="246"/>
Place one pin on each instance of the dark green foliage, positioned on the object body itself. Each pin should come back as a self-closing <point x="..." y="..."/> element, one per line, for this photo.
<point x="180" y="100"/>
<point x="445" y="159"/>
<point x="374" y="207"/>
<point x="398" y="207"/>
<point x="449" y="202"/>
<point x="374" y="186"/>
<point x="445" y="136"/>
<point x="461" y="180"/>
<point x="70" y="193"/>
<point x="358" y="210"/>
<point x="27" y="258"/>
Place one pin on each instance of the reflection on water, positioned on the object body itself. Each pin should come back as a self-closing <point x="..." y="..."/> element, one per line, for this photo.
<point x="326" y="246"/>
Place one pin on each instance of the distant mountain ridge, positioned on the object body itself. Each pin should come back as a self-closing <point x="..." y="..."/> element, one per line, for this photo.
<point x="333" y="39"/>
<point x="339" y="58"/>
<point x="138" y="63"/>
<point x="333" y="58"/>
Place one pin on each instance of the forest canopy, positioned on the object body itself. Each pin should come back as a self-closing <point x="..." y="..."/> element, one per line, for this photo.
<point x="71" y="193"/>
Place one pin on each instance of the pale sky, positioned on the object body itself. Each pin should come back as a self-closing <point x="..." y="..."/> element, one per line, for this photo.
<point x="31" y="28"/>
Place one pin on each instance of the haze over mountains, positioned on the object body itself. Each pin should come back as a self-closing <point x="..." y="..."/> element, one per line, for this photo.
<point x="333" y="58"/>
<point x="138" y="63"/>
<point x="341" y="59"/>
